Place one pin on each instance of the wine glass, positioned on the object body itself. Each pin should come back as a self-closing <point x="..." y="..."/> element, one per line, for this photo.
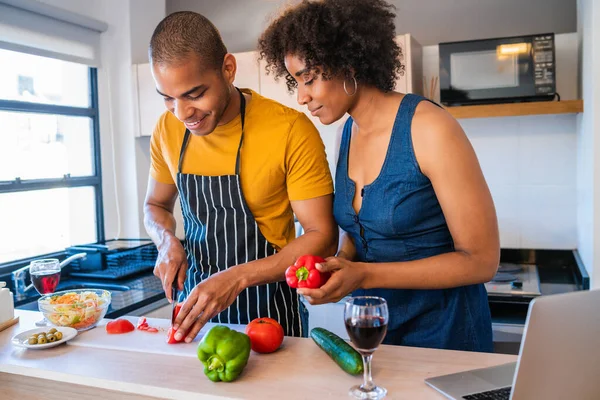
<point x="366" y="319"/>
<point x="45" y="275"/>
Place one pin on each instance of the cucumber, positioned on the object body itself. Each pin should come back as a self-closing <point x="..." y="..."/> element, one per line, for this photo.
<point x="339" y="350"/>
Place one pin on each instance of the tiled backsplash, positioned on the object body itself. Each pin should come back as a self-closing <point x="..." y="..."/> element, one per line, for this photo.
<point x="530" y="166"/>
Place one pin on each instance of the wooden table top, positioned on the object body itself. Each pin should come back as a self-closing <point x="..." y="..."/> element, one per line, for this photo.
<point x="298" y="370"/>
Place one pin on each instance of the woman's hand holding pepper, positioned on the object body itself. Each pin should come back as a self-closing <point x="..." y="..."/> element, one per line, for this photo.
<point x="346" y="277"/>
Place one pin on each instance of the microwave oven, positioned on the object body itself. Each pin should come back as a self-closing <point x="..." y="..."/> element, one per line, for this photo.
<point x="501" y="70"/>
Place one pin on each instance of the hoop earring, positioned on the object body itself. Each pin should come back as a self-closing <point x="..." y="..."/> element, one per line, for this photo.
<point x="355" y="87"/>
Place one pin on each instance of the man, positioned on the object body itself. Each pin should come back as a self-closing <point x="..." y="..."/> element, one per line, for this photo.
<point x="242" y="166"/>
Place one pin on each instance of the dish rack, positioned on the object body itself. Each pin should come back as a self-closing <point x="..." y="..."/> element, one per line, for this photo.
<point x="110" y="260"/>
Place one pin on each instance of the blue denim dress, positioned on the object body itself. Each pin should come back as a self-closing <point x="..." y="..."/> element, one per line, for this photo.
<point x="401" y="220"/>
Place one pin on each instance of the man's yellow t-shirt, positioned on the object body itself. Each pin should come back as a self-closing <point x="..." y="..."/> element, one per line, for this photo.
<point x="282" y="159"/>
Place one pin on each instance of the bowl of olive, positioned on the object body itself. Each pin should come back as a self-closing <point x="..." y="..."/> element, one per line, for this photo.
<point x="43" y="338"/>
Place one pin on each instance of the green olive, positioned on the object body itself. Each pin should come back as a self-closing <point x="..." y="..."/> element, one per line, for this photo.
<point x="41" y="336"/>
<point x="58" y="335"/>
<point x="41" y="333"/>
<point x="42" y="340"/>
<point x="51" y="338"/>
<point x="32" y="340"/>
<point x="53" y="330"/>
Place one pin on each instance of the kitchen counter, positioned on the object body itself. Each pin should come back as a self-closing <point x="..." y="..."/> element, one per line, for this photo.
<point x="299" y="369"/>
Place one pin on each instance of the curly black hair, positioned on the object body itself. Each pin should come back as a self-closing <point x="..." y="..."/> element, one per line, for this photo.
<point x="339" y="38"/>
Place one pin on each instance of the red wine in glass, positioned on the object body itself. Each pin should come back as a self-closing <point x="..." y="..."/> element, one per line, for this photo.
<point x="45" y="275"/>
<point x="45" y="281"/>
<point x="367" y="332"/>
<point x="366" y="319"/>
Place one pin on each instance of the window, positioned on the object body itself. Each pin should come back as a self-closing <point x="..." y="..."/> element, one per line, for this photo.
<point x="50" y="177"/>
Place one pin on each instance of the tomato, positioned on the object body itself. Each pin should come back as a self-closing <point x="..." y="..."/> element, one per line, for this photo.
<point x="266" y="335"/>
<point x="171" y="337"/>
<point x="171" y="333"/>
<point x="119" y="326"/>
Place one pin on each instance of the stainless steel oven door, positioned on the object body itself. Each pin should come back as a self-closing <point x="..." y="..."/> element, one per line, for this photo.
<point x="507" y="337"/>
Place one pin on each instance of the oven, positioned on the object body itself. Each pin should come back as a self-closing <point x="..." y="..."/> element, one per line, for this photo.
<point x="509" y="293"/>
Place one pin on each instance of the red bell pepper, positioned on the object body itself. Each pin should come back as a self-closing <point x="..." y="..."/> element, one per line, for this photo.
<point x="304" y="274"/>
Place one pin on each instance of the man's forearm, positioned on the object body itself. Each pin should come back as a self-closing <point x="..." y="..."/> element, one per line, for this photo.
<point x="272" y="268"/>
<point x="346" y="248"/>
<point x="160" y="223"/>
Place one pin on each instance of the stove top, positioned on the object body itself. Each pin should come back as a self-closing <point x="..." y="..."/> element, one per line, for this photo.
<point x="515" y="280"/>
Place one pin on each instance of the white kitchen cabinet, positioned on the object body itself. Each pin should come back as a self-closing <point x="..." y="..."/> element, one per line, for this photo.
<point x="410" y="79"/>
<point x="247" y="74"/>
<point x="329" y="316"/>
<point x="277" y="90"/>
<point x="148" y="104"/>
<point x="331" y="136"/>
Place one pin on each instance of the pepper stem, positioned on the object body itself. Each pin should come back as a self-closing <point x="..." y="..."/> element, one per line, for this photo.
<point x="216" y="364"/>
<point x="302" y="273"/>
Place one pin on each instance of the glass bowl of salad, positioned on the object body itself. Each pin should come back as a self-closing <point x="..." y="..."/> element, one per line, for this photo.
<point x="81" y="309"/>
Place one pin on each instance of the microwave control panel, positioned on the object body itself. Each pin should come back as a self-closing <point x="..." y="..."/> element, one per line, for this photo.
<point x="543" y="62"/>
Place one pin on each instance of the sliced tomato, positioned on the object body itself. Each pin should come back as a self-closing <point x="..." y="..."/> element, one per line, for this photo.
<point x="142" y="322"/>
<point x="119" y="326"/>
<point x="153" y="330"/>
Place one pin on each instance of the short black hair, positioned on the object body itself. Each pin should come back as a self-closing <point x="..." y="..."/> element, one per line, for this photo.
<point x="183" y="34"/>
<point x="338" y="37"/>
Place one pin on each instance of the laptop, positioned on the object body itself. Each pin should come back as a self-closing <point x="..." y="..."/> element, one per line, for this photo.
<point x="559" y="357"/>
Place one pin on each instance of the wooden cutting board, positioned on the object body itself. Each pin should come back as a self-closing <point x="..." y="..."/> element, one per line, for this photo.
<point x="142" y="341"/>
<point x="9" y="323"/>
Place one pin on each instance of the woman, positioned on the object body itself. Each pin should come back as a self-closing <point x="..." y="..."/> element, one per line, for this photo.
<point x="419" y="223"/>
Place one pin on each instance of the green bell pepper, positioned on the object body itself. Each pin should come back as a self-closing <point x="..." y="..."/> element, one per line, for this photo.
<point x="224" y="353"/>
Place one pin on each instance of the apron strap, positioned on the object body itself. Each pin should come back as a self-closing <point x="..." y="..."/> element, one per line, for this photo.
<point x="243" y="118"/>
<point x="186" y="137"/>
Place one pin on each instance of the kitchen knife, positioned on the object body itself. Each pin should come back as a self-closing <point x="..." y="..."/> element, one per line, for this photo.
<point x="175" y="297"/>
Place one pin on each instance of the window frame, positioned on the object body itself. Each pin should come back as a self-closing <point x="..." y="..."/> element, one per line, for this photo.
<point x="95" y="181"/>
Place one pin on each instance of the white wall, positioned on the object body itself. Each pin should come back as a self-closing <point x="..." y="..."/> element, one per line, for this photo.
<point x="530" y="162"/>
<point x="588" y="166"/>
<point x="145" y="15"/>
<point x="130" y="25"/>
<point x="431" y="21"/>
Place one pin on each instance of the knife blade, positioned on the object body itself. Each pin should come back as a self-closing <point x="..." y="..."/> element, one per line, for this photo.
<point x="174" y="296"/>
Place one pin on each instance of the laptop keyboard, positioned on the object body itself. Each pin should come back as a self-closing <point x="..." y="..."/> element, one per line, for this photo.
<point x="496" y="394"/>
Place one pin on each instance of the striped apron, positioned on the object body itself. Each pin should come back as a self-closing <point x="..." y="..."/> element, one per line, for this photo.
<point x="221" y="232"/>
